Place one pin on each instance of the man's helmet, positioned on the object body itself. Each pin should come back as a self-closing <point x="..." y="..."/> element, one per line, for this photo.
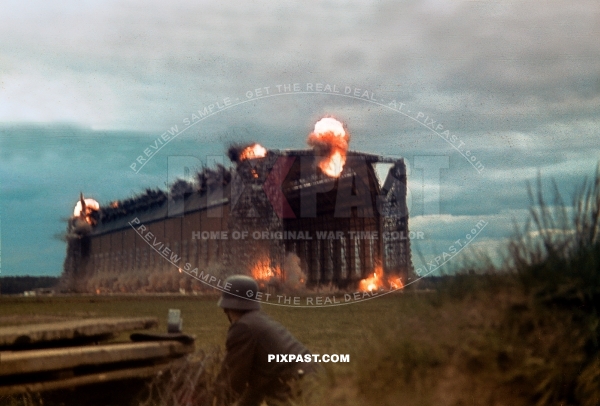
<point x="241" y="294"/>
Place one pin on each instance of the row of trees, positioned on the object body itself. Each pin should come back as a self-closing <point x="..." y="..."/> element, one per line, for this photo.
<point x="20" y="284"/>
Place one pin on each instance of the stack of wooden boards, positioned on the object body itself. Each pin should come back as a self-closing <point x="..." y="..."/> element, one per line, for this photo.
<point x="70" y="354"/>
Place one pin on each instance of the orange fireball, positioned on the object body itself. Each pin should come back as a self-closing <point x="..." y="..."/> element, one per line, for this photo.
<point x="253" y="151"/>
<point x="84" y="209"/>
<point x="90" y="205"/>
<point x="330" y="140"/>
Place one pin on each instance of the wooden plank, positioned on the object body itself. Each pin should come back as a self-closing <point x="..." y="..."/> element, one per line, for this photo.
<point x="95" y="378"/>
<point x="73" y="329"/>
<point x="34" y="361"/>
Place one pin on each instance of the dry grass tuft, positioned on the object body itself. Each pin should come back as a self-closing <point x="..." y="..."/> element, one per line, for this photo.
<point x="187" y="383"/>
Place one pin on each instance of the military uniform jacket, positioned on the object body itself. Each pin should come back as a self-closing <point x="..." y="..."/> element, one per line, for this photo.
<point x="249" y="342"/>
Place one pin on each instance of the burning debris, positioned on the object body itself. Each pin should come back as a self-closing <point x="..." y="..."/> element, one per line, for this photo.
<point x="379" y="281"/>
<point x="253" y="152"/>
<point x="291" y="279"/>
<point x="330" y="142"/>
<point x="238" y="153"/>
<point x="264" y="272"/>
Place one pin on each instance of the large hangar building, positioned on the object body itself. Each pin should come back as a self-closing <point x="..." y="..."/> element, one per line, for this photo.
<point x="271" y="212"/>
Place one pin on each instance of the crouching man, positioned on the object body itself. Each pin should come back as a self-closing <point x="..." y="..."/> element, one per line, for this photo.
<point x="250" y="371"/>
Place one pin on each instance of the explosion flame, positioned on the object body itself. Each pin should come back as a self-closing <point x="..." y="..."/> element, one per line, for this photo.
<point x="253" y="151"/>
<point x="84" y="209"/>
<point x="379" y="281"/>
<point x="263" y="272"/>
<point x="330" y="139"/>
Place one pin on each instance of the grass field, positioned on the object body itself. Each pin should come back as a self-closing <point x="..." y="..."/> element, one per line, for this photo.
<point x="324" y="330"/>
<point x="404" y="344"/>
<point x="346" y="329"/>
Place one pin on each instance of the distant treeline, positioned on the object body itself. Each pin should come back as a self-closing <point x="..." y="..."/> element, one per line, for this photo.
<point x="20" y="284"/>
<point x="436" y="282"/>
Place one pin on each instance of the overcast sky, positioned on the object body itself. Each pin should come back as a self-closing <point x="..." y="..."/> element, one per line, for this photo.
<point x="86" y="86"/>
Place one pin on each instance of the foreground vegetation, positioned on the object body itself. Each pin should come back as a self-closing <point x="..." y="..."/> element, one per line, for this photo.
<point x="525" y="333"/>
